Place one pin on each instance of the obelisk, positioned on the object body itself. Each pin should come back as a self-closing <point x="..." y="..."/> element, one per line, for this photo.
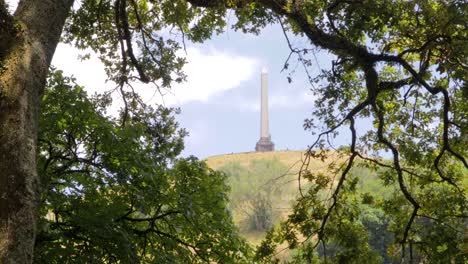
<point x="264" y="143"/>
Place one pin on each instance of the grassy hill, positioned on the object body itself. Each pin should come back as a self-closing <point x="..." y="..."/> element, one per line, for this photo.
<point x="291" y="158"/>
<point x="270" y="176"/>
<point x="264" y="186"/>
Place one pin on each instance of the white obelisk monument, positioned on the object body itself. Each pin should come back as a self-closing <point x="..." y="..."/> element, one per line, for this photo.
<point x="264" y="143"/>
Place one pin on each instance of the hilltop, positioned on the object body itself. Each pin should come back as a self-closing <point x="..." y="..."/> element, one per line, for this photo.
<point x="258" y="177"/>
<point x="291" y="158"/>
<point x="288" y="157"/>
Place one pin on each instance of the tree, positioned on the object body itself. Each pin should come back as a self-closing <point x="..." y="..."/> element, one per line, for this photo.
<point x="398" y="63"/>
<point x="114" y="193"/>
<point x="28" y="41"/>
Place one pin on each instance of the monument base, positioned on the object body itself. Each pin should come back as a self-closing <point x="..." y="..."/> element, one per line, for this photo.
<point x="265" y="144"/>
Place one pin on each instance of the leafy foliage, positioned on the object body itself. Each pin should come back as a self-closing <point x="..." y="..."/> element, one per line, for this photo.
<point x="362" y="226"/>
<point x="400" y="64"/>
<point x="138" y="40"/>
<point x="117" y="193"/>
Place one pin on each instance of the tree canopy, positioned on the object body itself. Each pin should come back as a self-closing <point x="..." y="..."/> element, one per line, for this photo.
<point x="114" y="193"/>
<point x="400" y="64"/>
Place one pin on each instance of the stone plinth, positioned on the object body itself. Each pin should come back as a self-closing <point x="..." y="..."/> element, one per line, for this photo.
<point x="265" y="144"/>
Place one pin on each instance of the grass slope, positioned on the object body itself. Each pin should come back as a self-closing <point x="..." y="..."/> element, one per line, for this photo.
<point x="285" y="181"/>
<point x="291" y="158"/>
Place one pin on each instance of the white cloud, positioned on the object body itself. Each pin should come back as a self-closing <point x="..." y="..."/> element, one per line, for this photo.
<point x="210" y="73"/>
<point x="89" y="73"/>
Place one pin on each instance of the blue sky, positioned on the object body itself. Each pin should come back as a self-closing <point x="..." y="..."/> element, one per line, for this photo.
<point x="220" y="102"/>
<point x="228" y="122"/>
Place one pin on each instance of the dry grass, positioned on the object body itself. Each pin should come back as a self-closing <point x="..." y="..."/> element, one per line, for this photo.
<point x="291" y="158"/>
<point x="286" y="180"/>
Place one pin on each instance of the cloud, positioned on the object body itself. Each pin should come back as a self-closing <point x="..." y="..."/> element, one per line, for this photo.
<point x="210" y="73"/>
<point x="89" y="73"/>
<point x="250" y="106"/>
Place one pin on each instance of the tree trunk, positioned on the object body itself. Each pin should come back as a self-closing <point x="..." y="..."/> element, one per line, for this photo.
<point x="24" y="65"/>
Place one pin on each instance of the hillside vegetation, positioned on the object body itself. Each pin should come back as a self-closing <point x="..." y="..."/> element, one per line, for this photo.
<point x="264" y="187"/>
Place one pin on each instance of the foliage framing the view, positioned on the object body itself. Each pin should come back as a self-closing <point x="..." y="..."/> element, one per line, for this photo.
<point x="115" y="193"/>
<point x="400" y="64"/>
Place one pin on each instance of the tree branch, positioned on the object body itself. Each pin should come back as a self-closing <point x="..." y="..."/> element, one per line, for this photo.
<point x="396" y="162"/>
<point x="349" y="165"/>
<point x="150" y="219"/>
<point x="123" y="31"/>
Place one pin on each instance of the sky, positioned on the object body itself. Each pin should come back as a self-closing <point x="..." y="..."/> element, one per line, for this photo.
<point x="220" y="101"/>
